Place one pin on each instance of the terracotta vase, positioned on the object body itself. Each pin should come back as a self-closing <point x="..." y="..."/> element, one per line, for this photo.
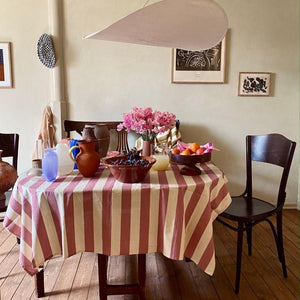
<point x="88" y="132"/>
<point x="103" y="137"/>
<point x="148" y="147"/>
<point x="88" y="159"/>
<point x="8" y="177"/>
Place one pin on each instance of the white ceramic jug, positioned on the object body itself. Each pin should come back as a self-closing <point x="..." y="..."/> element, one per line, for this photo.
<point x="65" y="163"/>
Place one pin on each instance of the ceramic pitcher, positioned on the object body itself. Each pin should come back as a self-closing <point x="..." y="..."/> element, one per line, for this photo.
<point x="88" y="159"/>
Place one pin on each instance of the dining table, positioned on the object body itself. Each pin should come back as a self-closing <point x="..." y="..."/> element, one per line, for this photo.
<point x="167" y="212"/>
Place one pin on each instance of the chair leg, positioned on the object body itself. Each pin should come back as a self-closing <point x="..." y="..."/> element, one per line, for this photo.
<point x="249" y="237"/>
<point x="280" y="243"/>
<point x="239" y="256"/>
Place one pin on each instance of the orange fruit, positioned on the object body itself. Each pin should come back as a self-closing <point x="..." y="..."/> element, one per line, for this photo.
<point x="194" y="147"/>
<point x="199" y="151"/>
<point x="176" y="151"/>
<point x="191" y="151"/>
<point x="185" y="152"/>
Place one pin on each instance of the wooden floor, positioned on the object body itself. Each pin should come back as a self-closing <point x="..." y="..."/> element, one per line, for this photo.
<point x="76" y="277"/>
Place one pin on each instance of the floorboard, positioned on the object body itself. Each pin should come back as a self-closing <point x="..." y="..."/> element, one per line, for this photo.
<point x="77" y="276"/>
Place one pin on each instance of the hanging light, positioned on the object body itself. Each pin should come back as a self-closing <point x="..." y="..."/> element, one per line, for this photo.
<point x="184" y="24"/>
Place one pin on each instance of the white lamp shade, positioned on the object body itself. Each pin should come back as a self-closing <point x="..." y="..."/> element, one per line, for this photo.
<point x="185" y="24"/>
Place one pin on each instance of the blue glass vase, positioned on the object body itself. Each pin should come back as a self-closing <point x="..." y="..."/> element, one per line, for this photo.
<point x="50" y="164"/>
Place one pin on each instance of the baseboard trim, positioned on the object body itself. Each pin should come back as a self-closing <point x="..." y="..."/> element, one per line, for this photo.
<point x="291" y="206"/>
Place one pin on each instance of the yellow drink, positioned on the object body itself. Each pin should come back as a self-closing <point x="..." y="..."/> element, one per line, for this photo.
<point x="162" y="162"/>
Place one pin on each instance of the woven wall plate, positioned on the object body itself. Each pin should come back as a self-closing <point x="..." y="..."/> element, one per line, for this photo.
<point x="45" y="50"/>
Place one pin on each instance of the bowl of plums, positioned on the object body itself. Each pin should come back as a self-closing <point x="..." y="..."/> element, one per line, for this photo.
<point x="129" y="168"/>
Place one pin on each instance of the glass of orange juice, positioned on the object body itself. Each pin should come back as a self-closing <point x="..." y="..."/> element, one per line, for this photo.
<point x="162" y="160"/>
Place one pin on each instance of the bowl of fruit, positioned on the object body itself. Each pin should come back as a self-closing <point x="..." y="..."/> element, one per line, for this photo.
<point x="129" y="168"/>
<point x="189" y="154"/>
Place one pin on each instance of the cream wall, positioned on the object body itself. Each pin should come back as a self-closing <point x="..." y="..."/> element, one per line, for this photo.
<point x="105" y="79"/>
<point x="22" y="105"/>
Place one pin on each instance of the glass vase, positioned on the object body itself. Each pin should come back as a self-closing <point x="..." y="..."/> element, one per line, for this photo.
<point x="162" y="158"/>
<point x="50" y="164"/>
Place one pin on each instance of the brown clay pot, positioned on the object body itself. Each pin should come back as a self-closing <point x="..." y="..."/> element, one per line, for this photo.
<point x="8" y="177"/>
<point x="103" y="137"/>
<point x="88" y="132"/>
<point x="88" y="159"/>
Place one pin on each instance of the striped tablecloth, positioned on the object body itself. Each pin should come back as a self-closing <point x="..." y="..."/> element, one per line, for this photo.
<point x="167" y="212"/>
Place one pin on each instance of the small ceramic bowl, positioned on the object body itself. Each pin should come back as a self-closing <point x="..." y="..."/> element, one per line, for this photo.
<point x="126" y="173"/>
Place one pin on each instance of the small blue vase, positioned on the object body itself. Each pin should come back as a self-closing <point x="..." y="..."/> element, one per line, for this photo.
<point x="50" y="164"/>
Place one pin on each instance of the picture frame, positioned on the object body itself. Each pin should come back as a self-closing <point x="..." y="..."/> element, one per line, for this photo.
<point x="5" y="65"/>
<point x="205" y="66"/>
<point x="254" y="84"/>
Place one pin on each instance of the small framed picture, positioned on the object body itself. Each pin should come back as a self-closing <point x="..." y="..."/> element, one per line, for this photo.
<point x="5" y="65"/>
<point x="205" y="66"/>
<point x="254" y="84"/>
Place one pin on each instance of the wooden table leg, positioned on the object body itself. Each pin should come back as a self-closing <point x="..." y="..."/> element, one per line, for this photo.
<point x="102" y="275"/>
<point x="39" y="284"/>
<point x="124" y="289"/>
<point x="142" y="275"/>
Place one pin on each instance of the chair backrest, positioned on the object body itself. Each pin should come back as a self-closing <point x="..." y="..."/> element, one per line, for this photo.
<point x="122" y="144"/>
<point x="274" y="149"/>
<point x="9" y="143"/>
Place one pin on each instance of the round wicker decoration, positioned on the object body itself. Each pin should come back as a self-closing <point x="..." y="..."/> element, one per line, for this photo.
<point x="45" y="50"/>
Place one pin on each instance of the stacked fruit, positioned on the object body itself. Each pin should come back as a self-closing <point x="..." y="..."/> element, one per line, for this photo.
<point x="132" y="158"/>
<point x="192" y="148"/>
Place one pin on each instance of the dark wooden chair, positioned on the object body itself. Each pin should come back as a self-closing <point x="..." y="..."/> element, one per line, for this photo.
<point x="9" y="143"/>
<point x="122" y="142"/>
<point x="247" y="210"/>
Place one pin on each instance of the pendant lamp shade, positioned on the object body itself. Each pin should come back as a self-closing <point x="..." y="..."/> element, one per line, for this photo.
<point x="185" y="24"/>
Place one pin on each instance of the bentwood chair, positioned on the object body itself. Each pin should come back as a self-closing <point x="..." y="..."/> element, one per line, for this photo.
<point x="247" y="210"/>
<point x="9" y="143"/>
<point x="122" y="142"/>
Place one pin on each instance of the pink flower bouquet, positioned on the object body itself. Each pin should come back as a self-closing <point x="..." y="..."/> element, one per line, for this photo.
<point x="146" y="122"/>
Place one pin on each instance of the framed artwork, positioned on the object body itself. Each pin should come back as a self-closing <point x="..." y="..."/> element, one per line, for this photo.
<point x="254" y="84"/>
<point x="5" y="66"/>
<point x="205" y="66"/>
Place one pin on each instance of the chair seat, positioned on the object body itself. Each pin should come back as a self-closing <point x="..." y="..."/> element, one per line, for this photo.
<point x="242" y="209"/>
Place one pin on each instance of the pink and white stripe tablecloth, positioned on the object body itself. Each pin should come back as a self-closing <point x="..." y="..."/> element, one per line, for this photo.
<point x="167" y="212"/>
